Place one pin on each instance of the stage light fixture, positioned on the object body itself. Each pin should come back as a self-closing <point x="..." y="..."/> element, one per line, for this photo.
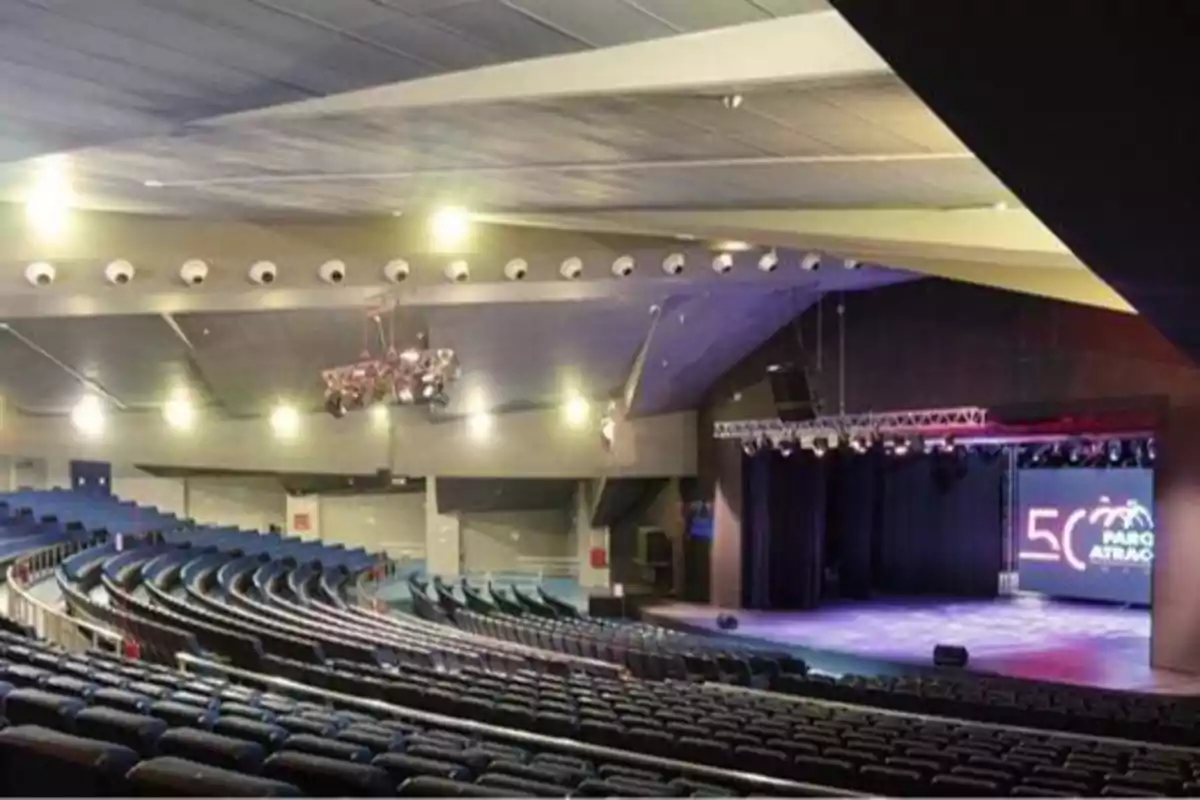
<point x="1151" y="450"/>
<point x="786" y="446"/>
<point x="750" y="446"/>
<point x="768" y="261"/>
<point x="577" y="410"/>
<point x="48" y="208"/>
<point x="901" y="447"/>
<point x="673" y="264"/>
<point x="820" y="446"/>
<point x="722" y="263"/>
<point x="1114" y="452"/>
<point x="179" y="412"/>
<point x="480" y="424"/>
<point x="516" y="269"/>
<point x="88" y="416"/>
<point x="380" y="415"/>
<point x="811" y="262"/>
<point x="285" y="421"/>
<point x="859" y="444"/>
<point x="571" y="268"/>
<point x="851" y="263"/>
<point x="623" y="266"/>
<point x="450" y="226"/>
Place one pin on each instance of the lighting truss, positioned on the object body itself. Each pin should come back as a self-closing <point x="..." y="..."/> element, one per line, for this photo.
<point x="964" y="420"/>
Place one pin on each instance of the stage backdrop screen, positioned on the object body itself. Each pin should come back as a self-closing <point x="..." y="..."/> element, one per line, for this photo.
<point x="1086" y="533"/>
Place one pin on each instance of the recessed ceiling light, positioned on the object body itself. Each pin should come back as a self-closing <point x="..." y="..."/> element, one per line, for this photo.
<point x="733" y="246"/>
<point x="152" y="184"/>
<point x="732" y="101"/>
<point x="1000" y="206"/>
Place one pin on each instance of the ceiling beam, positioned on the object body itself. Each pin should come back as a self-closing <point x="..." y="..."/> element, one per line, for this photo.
<point x="808" y="47"/>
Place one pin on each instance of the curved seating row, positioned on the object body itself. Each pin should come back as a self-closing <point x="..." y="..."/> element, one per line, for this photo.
<point x="97" y="725"/>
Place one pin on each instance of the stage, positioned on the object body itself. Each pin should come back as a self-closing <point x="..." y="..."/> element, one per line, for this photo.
<point x="1025" y="636"/>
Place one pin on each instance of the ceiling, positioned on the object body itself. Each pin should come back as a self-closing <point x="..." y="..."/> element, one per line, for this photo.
<point x="298" y="130"/>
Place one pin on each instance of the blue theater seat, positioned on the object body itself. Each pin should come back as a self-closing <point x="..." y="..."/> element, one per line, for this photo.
<point x="328" y="777"/>
<point x="135" y="731"/>
<point x="267" y="734"/>
<point x="442" y="787"/>
<point x="206" y="747"/>
<point x="177" y="777"/>
<point x="39" y="707"/>
<point x="39" y="762"/>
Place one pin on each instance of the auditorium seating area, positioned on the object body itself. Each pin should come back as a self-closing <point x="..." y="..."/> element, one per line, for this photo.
<point x="517" y="663"/>
<point x="519" y="666"/>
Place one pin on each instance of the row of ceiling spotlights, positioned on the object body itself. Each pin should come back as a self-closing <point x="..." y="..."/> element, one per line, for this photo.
<point x="90" y="417"/>
<point x="194" y="272"/>
<point x="857" y="443"/>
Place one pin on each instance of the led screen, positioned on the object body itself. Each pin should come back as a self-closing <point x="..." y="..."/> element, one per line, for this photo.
<point x="1086" y="533"/>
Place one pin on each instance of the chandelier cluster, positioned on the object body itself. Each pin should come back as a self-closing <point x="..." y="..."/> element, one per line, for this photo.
<point x="408" y="377"/>
<point x="415" y="375"/>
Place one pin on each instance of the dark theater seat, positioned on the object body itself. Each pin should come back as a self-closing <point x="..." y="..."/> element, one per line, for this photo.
<point x="177" y="777"/>
<point x="329" y="777"/>
<point x="40" y="762"/>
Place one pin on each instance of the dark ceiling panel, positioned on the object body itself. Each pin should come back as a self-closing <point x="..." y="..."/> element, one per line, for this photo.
<point x="1085" y="111"/>
<point x="138" y="359"/>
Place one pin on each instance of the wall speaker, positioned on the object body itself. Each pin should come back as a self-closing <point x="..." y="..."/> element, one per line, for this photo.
<point x="792" y="392"/>
<point x="727" y="622"/>
<point x="950" y="655"/>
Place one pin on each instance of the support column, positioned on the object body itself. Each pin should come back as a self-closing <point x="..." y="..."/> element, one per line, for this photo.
<point x="587" y="538"/>
<point x="304" y="516"/>
<point x="1174" y="634"/>
<point x="443" y="536"/>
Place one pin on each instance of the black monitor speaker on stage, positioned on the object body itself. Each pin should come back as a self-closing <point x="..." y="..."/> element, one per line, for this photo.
<point x="727" y="622"/>
<point x="950" y="655"/>
<point x="792" y="393"/>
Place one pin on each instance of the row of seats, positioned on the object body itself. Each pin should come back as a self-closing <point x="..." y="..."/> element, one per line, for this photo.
<point x="131" y="728"/>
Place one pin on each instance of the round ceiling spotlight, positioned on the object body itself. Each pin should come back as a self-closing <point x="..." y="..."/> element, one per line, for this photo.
<point x="851" y="263"/>
<point x="732" y="101"/>
<point x="571" y="268"/>
<point x="722" y="263"/>
<point x="516" y="269"/>
<point x="193" y="272"/>
<point x="458" y="271"/>
<point x="40" y="273"/>
<point x="811" y="262"/>
<point x="119" y="272"/>
<point x="333" y="271"/>
<point x="769" y="261"/>
<point x="623" y="266"/>
<point x="263" y="272"/>
<point x="674" y="263"/>
<point x="396" y="270"/>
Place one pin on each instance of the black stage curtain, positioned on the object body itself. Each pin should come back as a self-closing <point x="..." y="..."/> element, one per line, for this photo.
<point x="940" y="526"/>
<point x="783" y="531"/>
<point x="918" y="524"/>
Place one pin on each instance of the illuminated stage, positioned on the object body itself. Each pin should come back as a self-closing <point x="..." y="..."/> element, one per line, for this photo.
<point x="1026" y="636"/>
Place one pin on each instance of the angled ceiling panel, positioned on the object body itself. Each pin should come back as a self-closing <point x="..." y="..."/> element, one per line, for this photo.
<point x="1091" y="126"/>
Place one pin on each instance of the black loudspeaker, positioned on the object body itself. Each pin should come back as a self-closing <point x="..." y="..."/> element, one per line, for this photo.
<point x="950" y="655"/>
<point x="727" y="622"/>
<point x="793" y="395"/>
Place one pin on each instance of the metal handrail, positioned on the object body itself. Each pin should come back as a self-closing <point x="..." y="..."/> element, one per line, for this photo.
<point x="52" y="624"/>
<point x="202" y="666"/>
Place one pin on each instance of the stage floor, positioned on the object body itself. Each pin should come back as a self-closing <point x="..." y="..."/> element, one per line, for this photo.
<point x="1029" y="637"/>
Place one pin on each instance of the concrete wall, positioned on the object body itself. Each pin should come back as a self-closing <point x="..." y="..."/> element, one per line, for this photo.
<point x="496" y="540"/>
<point x="247" y="502"/>
<point x="664" y="445"/>
<point x="393" y="523"/>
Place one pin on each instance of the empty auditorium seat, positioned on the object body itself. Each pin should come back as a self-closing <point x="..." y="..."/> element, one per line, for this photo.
<point x="328" y="777"/>
<point x="176" y="777"/>
<point x="135" y="731"/>
<point x="213" y="749"/>
<point x="40" y="762"/>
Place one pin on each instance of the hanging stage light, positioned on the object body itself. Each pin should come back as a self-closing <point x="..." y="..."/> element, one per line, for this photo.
<point x="750" y="446"/>
<point x="786" y="446"/>
<point x="820" y="446"/>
